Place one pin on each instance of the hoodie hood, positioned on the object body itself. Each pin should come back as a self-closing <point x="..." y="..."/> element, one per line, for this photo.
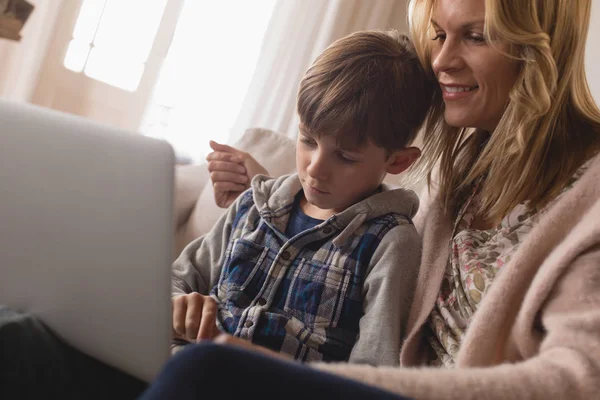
<point x="275" y="197"/>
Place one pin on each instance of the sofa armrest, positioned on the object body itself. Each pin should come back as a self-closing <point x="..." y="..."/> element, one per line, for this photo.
<point x="190" y="181"/>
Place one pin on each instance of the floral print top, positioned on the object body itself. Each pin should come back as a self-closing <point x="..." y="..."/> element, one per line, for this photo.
<point x="476" y="257"/>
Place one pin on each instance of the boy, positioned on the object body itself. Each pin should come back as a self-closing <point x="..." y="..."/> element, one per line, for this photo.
<point x="312" y="264"/>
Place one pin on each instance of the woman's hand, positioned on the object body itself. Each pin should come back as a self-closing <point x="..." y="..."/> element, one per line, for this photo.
<point x="226" y="339"/>
<point x="194" y="317"/>
<point x="231" y="171"/>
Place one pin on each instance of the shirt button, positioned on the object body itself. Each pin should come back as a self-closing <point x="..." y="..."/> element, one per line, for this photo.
<point x="327" y="230"/>
<point x="285" y="255"/>
<point x="262" y="301"/>
<point x="248" y="324"/>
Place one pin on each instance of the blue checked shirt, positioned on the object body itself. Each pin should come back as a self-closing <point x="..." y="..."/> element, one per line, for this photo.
<point x="331" y="293"/>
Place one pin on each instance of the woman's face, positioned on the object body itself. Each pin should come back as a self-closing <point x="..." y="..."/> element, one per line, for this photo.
<point x="474" y="77"/>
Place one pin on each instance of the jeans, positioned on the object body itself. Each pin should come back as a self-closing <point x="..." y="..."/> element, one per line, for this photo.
<point x="208" y="370"/>
<point x="35" y="364"/>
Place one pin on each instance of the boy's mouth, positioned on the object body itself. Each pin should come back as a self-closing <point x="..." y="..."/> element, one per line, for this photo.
<point x="315" y="189"/>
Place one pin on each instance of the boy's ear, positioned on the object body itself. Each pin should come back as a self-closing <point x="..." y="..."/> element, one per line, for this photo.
<point x="400" y="160"/>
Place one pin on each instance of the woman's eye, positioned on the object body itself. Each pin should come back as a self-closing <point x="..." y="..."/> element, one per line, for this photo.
<point x="476" y="37"/>
<point x="439" y="36"/>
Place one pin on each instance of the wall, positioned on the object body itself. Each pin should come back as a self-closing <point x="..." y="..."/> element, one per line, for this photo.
<point x="592" y="56"/>
<point x="21" y="62"/>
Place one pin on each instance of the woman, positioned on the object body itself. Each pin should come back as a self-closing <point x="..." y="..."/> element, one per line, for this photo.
<point x="508" y="302"/>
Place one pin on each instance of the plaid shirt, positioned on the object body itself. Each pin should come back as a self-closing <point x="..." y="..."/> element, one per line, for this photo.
<point x="302" y="295"/>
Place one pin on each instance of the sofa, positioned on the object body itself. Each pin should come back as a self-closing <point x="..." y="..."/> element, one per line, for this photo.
<point x="195" y="209"/>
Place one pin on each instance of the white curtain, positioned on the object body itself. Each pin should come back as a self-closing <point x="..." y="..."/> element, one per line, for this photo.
<point x="206" y="73"/>
<point x="21" y="62"/>
<point x="298" y="31"/>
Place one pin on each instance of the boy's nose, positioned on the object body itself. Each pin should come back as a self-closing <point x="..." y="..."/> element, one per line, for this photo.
<point x="318" y="168"/>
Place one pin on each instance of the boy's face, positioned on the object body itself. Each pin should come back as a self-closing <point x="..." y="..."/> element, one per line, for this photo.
<point x="334" y="178"/>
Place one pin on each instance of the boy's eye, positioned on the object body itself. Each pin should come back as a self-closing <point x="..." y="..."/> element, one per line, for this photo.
<point x="307" y="141"/>
<point x="346" y="159"/>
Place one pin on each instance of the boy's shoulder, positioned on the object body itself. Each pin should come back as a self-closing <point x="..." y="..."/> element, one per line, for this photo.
<point x="395" y="202"/>
<point x="385" y="215"/>
<point x="396" y="229"/>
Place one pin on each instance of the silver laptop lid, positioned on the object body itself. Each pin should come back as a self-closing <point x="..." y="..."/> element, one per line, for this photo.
<point x="86" y="233"/>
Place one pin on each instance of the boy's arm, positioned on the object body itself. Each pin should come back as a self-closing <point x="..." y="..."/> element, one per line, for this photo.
<point x="387" y="295"/>
<point x="198" y="267"/>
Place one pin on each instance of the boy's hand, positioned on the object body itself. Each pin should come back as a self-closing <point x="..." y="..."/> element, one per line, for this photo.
<point x="194" y="317"/>
<point x="231" y="171"/>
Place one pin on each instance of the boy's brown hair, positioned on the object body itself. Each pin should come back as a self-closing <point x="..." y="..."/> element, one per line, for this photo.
<point x="369" y="85"/>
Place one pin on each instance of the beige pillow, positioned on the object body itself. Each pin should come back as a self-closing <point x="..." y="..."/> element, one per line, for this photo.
<point x="275" y="151"/>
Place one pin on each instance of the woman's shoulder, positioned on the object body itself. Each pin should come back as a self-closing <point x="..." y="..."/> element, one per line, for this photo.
<point x="592" y="165"/>
<point x="585" y="178"/>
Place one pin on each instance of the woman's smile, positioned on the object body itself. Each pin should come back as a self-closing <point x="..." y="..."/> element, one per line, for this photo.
<point x="457" y="92"/>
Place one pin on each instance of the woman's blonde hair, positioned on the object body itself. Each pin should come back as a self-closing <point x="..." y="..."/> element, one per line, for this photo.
<point x="551" y="124"/>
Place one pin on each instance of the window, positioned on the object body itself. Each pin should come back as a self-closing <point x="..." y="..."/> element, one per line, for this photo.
<point x="113" y="38"/>
<point x="206" y="73"/>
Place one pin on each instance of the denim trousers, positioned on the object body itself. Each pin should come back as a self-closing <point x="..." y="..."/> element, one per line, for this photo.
<point x="208" y="370"/>
<point x="35" y="363"/>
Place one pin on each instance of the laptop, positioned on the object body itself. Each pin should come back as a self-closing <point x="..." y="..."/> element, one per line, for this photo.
<point x="86" y="234"/>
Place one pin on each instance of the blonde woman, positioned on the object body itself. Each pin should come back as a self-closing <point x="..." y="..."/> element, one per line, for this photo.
<point x="508" y="301"/>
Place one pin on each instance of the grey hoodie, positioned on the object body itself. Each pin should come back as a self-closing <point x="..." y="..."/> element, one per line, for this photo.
<point x="361" y="264"/>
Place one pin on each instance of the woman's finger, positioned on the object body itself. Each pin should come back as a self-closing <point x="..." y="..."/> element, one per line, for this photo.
<point x="218" y="147"/>
<point x="224" y="156"/>
<point x="226" y="166"/>
<point x="233" y="177"/>
<point x="223" y="187"/>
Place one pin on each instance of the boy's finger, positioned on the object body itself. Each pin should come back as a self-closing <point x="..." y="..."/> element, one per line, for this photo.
<point x="193" y="315"/>
<point x="209" y="319"/>
<point x="179" y="310"/>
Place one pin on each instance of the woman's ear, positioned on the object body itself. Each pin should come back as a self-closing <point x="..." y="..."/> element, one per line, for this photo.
<point x="400" y="160"/>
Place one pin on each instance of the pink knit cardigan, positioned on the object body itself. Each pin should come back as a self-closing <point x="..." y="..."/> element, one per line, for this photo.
<point x="536" y="334"/>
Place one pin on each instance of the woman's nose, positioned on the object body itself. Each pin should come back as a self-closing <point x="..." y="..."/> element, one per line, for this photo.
<point x="446" y="57"/>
